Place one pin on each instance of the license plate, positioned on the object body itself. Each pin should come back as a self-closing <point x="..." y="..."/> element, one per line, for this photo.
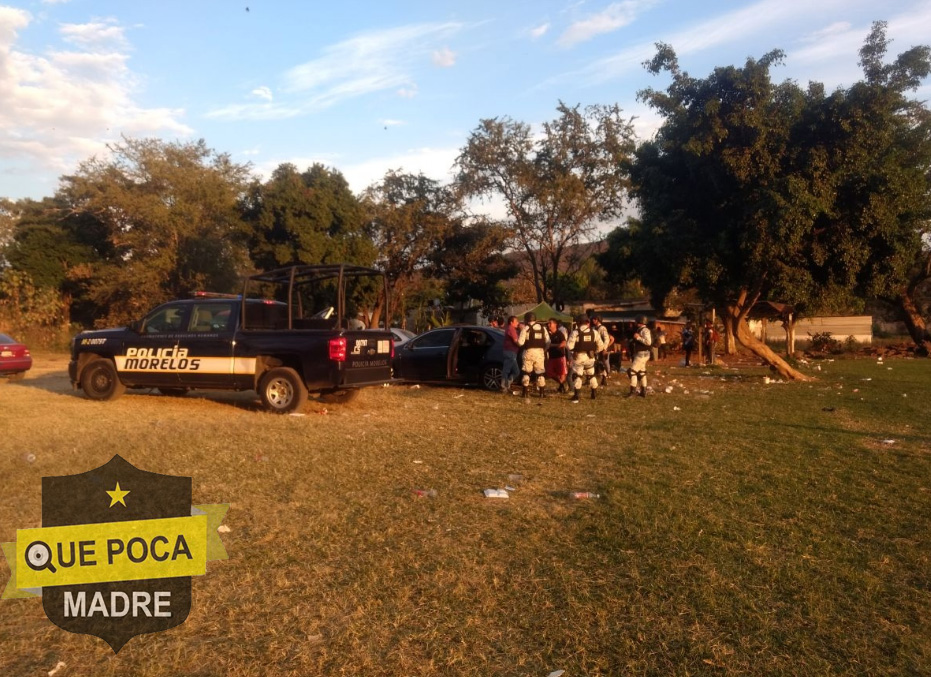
<point x="6" y="353"/>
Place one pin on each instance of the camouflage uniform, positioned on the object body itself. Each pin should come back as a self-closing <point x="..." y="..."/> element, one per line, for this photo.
<point x="534" y="339"/>
<point x="584" y="343"/>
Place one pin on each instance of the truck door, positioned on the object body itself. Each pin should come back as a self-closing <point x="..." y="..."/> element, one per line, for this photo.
<point x="207" y="340"/>
<point x="151" y="357"/>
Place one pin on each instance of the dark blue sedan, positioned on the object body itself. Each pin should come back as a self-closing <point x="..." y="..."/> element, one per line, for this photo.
<point x="460" y="355"/>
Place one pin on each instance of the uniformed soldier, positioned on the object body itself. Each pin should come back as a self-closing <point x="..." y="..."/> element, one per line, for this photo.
<point x="584" y="344"/>
<point x="640" y="354"/>
<point x="602" y="364"/>
<point x="534" y="339"/>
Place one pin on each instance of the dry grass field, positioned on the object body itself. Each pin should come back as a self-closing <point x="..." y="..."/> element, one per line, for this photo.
<point x="742" y="528"/>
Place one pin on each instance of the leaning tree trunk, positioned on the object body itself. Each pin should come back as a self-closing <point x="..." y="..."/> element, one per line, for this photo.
<point x="736" y="319"/>
<point x="914" y="322"/>
<point x="730" y="347"/>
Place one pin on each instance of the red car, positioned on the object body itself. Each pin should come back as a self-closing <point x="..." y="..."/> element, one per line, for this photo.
<point x="15" y="359"/>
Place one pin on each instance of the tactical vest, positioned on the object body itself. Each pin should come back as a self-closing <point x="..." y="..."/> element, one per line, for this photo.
<point x="586" y="341"/>
<point x="536" y="336"/>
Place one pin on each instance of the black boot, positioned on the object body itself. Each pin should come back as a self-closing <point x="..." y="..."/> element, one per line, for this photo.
<point x="594" y="390"/>
<point x="542" y="391"/>
<point x="631" y="393"/>
<point x="575" y="396"/>
<point x="643" y="391"/>
<point x="526" y="392"/>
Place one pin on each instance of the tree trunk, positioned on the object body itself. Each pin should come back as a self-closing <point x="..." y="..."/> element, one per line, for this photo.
<point x="914" y="322"/>
<point x="789" y="325"/>
<point x="730" y="348"/>
<point x="736" y="320"/>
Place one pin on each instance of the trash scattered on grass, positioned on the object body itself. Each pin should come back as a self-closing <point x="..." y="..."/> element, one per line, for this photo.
<point x="888" y="441"/>
<point x="495" y="493"/>
<point x="888" y="368"/>
<point x="425" y="493"/>
<point x="827" y="408"/>
<point x="589" y="416"/>
<point x="415" y="387"/>
<point x="677" y="409"/>
<point x="866" y="379"/>
<point x="417" y="460"/>
<point x="556" y="673"/>
<point x="668" y="389"/>
<point x="904" y="394"/>
<point x="818" y="367"/>
<point x="584" y="494"/>
<point x="297" y="413"/>
<point x="515" y="478"/>
<point x="323" y="412"/>
<point x="456" y="397"/>
<point x="30" y="458"/>
<point x="261" y="458"/>
<point x="508" y="487"/>
<point x="54" y="671"/>
<point x="223" y="529"/>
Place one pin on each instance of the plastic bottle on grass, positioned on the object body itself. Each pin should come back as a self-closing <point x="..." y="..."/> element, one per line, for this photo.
<point x="425" y="493"/>
<point x="584" y="494"/>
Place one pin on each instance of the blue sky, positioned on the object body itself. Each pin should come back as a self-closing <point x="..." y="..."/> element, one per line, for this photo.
<point x="370" y="86"/>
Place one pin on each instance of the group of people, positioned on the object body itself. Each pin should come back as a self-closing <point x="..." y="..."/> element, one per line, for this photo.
<point x="550" y="351"/>
<point x="535" y="351"/>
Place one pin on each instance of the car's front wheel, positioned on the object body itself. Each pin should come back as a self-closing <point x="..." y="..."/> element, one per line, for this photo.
<point x="100" y="381"/>
<point x="282" y="390"/>
<point x="491" y="377"/>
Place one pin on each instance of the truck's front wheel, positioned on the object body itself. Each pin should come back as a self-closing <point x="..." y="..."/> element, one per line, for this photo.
<point x="282" y="390"/>
<point x="99" y="380"/>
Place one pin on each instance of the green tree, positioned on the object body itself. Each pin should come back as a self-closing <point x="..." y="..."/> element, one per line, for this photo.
<point x="754" y="190"/>
<point x="409" y="218"/>
<point x="470" y="260"/>
<point x="171" y="216"/>
<point x="309" y="217"/>
<point x="558" y="188"/>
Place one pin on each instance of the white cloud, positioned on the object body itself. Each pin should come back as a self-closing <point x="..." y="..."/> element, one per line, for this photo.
<point x="539" y="31"/>
<point x="61" y="107"/>
<point x="761" y="17"/>
<point x="391" y="123"/>
<point x="408" y="91"/>
<point x="614" y="16"/>
<point x="264" y="93"/>
<point x="444" y="58"/>
<point x="95" y="36"/>
<point x="369" y="62"/>
<point x="434" y="163"/>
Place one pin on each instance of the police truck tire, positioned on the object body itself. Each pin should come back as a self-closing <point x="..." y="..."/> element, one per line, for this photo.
<point x="491" y="377"/>
<point x="100" y="381"/>
<point x="282" y="390"/>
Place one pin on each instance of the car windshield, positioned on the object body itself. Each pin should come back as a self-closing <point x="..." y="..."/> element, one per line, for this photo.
<point x="6" y="339"/>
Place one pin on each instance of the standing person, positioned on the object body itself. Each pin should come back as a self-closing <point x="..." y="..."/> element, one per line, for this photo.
<point x="688" y="342"/>
<point x="585" y="344"/>
<point x="654" y="347"/>
<point x="534" y="340"/>
<point x="556" y="354"/>
<point x="510" y="371"/>
<point x="660" y="339"/>
<point x="640" y="354"/>
<point x="709" y="340"/>
<point x="606" y="341"/>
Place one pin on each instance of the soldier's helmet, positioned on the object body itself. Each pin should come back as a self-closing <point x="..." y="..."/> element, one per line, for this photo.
<point x="641" y="319"/>
<point x="529" y="317"/>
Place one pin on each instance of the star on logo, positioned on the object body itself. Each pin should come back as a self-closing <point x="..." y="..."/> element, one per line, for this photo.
<point x="117" y="496"/>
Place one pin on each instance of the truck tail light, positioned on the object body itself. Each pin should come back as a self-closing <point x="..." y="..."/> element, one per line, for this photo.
<point x="338" y="349"/>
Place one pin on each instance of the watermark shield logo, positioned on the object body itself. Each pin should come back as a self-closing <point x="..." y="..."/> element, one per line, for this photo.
<point x="115" y="492"/>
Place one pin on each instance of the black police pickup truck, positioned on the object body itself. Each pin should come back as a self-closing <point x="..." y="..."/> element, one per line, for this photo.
<point x="287" y="334"/>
